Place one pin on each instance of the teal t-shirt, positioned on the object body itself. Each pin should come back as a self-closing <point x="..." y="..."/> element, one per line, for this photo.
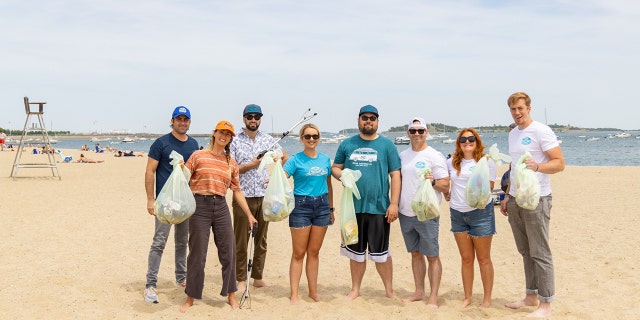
<point x="309" y="174"/>
<point x="375" y="159"/>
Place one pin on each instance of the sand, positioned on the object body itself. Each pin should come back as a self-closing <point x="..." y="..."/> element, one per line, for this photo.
<point x="77" y="248"/>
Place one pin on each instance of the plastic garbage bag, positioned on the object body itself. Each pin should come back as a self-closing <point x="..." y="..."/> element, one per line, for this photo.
<point x="278" y="197"/>
<point x="478" y="189"/>
<point x="425" y="202"/>
<point x="527" y="186"/>
<point x="348" y="222"/>
<point x="496" y="156"/>
<point x="175" y="202"/>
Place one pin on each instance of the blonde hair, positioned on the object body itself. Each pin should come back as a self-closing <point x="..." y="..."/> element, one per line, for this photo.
<point x="306" y="126"/>
<point x="227" y="148"/>
<point x="517" y="96"/>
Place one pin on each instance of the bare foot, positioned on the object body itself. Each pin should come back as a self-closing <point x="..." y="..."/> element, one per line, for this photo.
<point x="416" y="296"/>
<point x="390" y="294"/>
<point x="259" y="283"/>
<point x="466" y="302"/>
<point x="520" y="304"/>
<point x="232" y="301"/>
<point x="315" y="297"/>
<point x="187" y="304"/>
<point x="242" y="285"/>
<point x="294" y="300"/>
<point x="353" y="294"/>
<point x="485" y="304"/>
<point x="544" y="311"/>
<point x="433" y="302"/>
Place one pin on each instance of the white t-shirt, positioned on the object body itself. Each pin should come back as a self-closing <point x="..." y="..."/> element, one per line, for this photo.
<point x="458" y="199"/>
<point x="537" y="138"/>
<point x="412" y="163"/>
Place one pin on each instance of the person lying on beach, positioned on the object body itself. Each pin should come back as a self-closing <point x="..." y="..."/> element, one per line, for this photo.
<point x="84" y="159"/>
<point x="128" y="153"/>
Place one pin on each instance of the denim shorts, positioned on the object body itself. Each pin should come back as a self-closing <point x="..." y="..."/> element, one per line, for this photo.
<point x="420" y="235"/>
<point x="477" y="222"/>
<point x="310" y="211"/>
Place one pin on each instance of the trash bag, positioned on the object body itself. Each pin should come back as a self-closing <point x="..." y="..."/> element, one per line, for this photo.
<point x="425" y="202"/>
<point x="496" y="156"/>
<point x="175" y="202"/>
<point x="478" y="189"/>
<point x="348" y="222"/>
<point x="278" y="197"/>
<point x="527" y="186"/>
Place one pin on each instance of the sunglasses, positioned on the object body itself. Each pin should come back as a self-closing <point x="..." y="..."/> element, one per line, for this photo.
<point x="419" y="131"/>
<point x="253" y="116"/>
<point x="465" y="139"/>
<point x="368" y="118"/>
<point x="311" y="136"/>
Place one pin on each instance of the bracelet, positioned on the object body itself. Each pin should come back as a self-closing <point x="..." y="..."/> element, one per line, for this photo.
<point x="537" y="167"/>
<point x="332" y="209"/>
<point x="433" y="183"/>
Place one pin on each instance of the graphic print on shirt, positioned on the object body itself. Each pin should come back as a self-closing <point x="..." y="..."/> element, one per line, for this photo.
<point x="526" y="141"/>
<point x="421" y="165"/>
<point x="316" y="172"/>
<point x="363" y="157"/>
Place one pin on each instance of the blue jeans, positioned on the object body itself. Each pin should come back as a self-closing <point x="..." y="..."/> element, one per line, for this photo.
<point x="531" y="233"/>
<point x="310" y="211"/>
<point x="160" y="236"/>
<point x="477" y="222"/>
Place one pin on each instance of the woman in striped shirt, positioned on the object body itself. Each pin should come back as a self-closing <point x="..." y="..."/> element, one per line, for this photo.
<point x="213" y="171"/>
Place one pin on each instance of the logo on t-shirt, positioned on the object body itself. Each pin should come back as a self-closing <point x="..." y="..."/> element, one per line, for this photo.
<point x="316" y="171"/>
<point x="526" y="141"/>
<point x="364" y="155"/>
<point x="421" y="165"/>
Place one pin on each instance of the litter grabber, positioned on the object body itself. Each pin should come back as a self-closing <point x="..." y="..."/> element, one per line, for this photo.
<point x="305" y="117"/>
<point x="245" y="295"/>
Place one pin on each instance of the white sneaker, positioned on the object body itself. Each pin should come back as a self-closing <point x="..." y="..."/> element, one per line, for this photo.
<point x="151" y="295"/>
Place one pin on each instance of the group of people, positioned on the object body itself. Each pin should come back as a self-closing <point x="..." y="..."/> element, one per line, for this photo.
<point x="387" y="186"/>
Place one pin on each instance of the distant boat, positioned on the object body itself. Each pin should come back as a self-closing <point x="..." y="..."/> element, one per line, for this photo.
<point x="128" y="140"/>
<point x="593" y="139"/>
<point x="582" y="136"/>
<point x="402" y="140"/>
<point x="448" y="141"/>
<point x="622" y="135"/>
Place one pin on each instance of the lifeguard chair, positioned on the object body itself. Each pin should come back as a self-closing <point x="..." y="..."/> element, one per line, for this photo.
<point x="39" y="127"/>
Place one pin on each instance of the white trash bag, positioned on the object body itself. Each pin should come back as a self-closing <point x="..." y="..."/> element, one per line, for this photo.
<point x="175" y="202"/>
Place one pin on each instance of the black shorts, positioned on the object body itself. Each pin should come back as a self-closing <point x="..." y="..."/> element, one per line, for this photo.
<point x="373" y="236"/>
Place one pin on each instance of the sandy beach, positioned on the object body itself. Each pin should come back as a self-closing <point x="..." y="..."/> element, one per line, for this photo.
<point x="77" y="248"/>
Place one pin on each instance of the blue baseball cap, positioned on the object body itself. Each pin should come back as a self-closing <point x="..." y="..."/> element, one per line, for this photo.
<point x="252" y="108"/>
<point x="181" y="110"/>
<point x="368" y="109"/>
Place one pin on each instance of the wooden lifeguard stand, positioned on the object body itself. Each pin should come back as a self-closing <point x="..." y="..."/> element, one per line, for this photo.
<point x="39" y="127"/>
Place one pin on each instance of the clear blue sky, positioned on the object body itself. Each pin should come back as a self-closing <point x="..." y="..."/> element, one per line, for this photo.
<point x="124" y="65"/>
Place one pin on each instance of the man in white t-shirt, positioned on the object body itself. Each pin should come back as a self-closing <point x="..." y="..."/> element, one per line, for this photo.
<point x="421" y="237"/>
<point x="531" y="227"/>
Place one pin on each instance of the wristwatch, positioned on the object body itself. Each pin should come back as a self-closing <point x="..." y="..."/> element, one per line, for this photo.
<point x="332" y="209"/>
<point x="433" y="182"/>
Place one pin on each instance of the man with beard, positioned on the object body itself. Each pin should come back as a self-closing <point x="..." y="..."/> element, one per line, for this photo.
<point x="377" y="158"/>
<point x="245" y="149"/>
<point x="158" y="170"/>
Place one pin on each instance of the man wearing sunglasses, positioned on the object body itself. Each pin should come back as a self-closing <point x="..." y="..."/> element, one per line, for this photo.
<point x="377" y="159"/>
<point x="245" y="148"/>
<point x="421" y="237"/>
<point x="531" y="227"/>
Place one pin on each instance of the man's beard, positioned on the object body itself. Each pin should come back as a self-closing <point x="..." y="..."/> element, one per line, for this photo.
<point x="253" y="128"/>
<point x="368" y="131"/>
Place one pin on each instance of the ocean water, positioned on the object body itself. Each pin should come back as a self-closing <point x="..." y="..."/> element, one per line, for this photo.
<point x="577" y="150"/>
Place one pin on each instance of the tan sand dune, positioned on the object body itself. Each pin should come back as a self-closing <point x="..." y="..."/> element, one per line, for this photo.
<point x="77" y="248"/>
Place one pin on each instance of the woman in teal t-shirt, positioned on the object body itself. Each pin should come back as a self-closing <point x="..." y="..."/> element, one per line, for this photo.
<point x="313" y="212"/>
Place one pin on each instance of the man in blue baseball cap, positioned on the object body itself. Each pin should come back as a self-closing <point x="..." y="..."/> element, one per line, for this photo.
<point x="377" y="159"/>
<point x="158" y="170"/>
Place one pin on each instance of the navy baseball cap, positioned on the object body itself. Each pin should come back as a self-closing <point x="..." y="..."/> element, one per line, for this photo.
<point x="252" y="108"/>
<point x="368" y="109"/>
<point x="181" y="110"/>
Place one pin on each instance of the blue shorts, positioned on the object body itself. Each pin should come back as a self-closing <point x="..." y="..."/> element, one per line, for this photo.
<point x="477" y="222"/>
<point x="373" y="235"/>
<point x="310" y="211"/>
<point x="420" y="235"/>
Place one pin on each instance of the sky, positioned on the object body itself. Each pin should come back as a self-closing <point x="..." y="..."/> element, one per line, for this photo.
<point x="116" y="65"/>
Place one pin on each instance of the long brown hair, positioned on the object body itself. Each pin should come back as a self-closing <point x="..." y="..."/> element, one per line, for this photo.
<point x="227" y="149"/>
<point x="478" y="153"/>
